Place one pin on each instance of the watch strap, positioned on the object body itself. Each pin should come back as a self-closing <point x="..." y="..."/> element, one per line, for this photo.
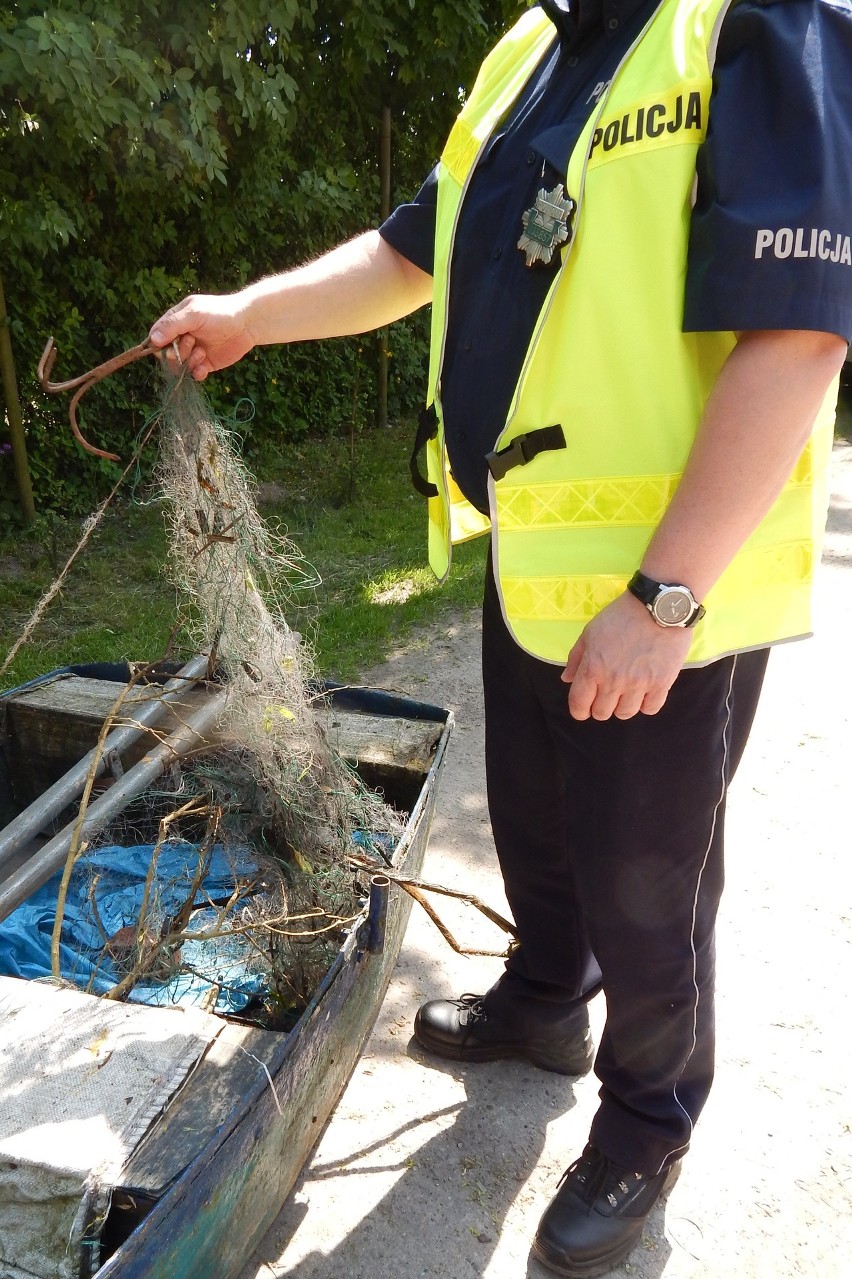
<point x="648" y="589"/>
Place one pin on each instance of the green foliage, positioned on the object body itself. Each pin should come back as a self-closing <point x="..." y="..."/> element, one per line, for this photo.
<point x="145" y="94"/>
<point x="414" y="56"/>
<point x="152" y="149"/>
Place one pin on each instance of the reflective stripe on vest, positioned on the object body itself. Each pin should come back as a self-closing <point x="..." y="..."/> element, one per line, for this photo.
<point x="572" y="524"/>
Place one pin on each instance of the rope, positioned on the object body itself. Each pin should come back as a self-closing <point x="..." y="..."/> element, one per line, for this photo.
<point x="91" y="524"/>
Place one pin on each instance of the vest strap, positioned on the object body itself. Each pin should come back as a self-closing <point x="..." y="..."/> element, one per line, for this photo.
<point x="427" y="429"/>
<point x="524" y="448"/>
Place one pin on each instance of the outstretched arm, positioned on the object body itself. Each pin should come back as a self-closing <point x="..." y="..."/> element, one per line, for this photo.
<point x="755" y="425"/>
<point x="358" y="286"/>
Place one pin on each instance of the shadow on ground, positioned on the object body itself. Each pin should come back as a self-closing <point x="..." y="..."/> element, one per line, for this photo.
<point x="444" y="1215"/>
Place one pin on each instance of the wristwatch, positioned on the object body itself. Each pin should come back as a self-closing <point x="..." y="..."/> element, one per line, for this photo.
<point x="669" y="603"/>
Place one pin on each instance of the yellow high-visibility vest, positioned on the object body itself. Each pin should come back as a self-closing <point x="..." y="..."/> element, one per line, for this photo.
<point x="608" y="361"/>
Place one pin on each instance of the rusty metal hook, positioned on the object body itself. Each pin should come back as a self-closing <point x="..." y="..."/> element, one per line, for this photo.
<point x="80" y="385"/>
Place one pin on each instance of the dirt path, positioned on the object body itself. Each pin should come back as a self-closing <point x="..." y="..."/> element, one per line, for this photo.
<point x="439" y="1170"/>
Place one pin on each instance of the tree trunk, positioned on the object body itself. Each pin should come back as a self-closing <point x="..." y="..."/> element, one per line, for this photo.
<point x="13" y="412"/>
<point x="385" y="187"/>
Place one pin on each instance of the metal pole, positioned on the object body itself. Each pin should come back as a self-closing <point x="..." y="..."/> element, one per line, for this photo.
<point x="385" y="194"/>
<point x="377" y="914"/>
<point x="63" y="792"/>
<point x="49" y="859"/>
<point x="13" y="412"/>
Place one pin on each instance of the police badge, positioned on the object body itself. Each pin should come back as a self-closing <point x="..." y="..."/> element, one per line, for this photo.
<point x="546" y="224"/>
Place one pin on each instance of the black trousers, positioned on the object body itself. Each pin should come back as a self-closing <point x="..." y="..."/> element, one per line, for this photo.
<point x="610" y="840"/>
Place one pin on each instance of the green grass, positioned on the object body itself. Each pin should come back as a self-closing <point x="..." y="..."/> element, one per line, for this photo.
<point x="360" y="526"/>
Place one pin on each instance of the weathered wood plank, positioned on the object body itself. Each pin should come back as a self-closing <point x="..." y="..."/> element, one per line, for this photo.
<point x="383" y="740"/>
<point x="229" y="1069"/>
<point x="51" y="726"/>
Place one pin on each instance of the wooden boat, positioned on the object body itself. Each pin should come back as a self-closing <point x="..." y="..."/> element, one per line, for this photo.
<point x="198" y="1192"/>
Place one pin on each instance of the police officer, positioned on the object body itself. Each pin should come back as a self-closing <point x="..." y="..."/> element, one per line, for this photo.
<point x="637" y="248"/>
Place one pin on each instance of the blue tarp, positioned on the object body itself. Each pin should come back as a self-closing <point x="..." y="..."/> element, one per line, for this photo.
<point x="114" y="878"/>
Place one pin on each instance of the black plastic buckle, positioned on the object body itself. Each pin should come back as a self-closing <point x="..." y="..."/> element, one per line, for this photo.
<point x="524" y="448"/>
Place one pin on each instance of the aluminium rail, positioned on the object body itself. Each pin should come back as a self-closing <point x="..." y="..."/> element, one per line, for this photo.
<point x="63" y="792"/>
<point x="52" y="857"/>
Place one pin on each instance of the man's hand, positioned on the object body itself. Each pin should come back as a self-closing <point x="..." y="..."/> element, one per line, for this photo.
<point x="210" y="332"/>
<point x="624" y="663"/>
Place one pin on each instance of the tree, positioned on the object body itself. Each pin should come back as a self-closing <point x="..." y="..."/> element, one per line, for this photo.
<point x="131" y="95"/>
<point x="151" y="148"/>
<point x="116" y="120"/>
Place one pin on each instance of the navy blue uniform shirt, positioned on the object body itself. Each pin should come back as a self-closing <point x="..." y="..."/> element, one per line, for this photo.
<point x="772" y="225"/>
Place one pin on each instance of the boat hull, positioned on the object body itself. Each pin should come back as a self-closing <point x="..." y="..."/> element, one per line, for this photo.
<point x="219" y="1177"/>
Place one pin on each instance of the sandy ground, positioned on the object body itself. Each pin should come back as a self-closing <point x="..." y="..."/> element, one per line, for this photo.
<point x="441" y="1170"/>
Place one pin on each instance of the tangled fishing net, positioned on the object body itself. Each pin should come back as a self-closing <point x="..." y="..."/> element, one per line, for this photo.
<point x="233" y="568"/>
<point x="228" y="882"/>
<point x="280" y="784"/>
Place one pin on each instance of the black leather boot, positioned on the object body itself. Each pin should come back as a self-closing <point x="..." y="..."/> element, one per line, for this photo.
<point x="597" y="1216"/>
<point x="492" y="1027"/>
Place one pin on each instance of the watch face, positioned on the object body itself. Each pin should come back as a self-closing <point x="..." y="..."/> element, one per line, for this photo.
<point x="673" y="606"/>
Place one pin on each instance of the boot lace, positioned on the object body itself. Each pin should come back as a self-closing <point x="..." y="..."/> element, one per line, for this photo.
<point x="594" y="1175"/>
<point x="474" y="1008"/>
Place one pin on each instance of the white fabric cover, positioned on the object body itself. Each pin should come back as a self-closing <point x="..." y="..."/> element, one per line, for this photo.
<point x="81" y="1081"/>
